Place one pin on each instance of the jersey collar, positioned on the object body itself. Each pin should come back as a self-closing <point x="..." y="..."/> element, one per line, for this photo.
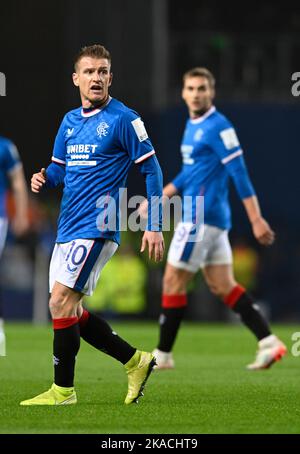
<point x="93" y="111"/>
<point x="203" y="117"/>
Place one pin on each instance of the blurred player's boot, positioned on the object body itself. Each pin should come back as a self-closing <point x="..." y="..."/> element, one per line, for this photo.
<point x="2" y="344"/>
<point x="138" y="369"/>
<point x="56" y="395"/>
<point x="270" y="350"/>
<point x="164" y="360"/>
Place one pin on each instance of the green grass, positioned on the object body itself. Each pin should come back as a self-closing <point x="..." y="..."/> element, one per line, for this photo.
<point x="209" y="391"/>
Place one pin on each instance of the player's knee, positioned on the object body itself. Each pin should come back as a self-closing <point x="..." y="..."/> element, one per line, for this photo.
<point x="219" y="289"/>
<point x="172" y="284"/>
<point x="60" y="306"/>
<point x="215" y="289"/>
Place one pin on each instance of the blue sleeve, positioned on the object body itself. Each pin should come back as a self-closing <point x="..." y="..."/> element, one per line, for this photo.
<point x="55" y="175"/>
<point x="134" y="138"/>
<point x="238" y="171"/>
<point x="11" y="157"/>
<point x="151" y="170"/>
<point x="59" y="149"/>
<point x="227" y="146"/>
<point x="179" y="180"/>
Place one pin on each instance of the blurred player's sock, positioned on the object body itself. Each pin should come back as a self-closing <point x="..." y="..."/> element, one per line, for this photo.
<point x="173" y="309"/>
<point x="164" y="360"/>
<point x="65" y="348"/>
<point x="243" y="304"/>
<point x="56" y="395"/>
<point x="270" y="350"/>
<point x="138" y="369"/>
<point x="97" y="332"/>
<point x="2" y="339"/>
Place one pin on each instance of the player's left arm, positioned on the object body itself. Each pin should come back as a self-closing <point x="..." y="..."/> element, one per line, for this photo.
<point x="14" y="170"/>
<point x="20" y="223"/>
<point x="153" y="237"/>
<point x="260" y="227"/>
<point x="230" y="153"/>
<point x="134" y="139"/>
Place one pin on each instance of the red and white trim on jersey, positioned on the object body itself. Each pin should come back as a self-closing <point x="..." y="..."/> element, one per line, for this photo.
<point x="96" y="110"/>
<point x="145" y="156"/>
<point x="58" y="161"/>
<point x="232" y="156"/>
<point x="203" y="117"/>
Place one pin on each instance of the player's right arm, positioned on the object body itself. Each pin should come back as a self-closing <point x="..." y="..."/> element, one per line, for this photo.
<point x="170" y="190"/>
<point x="55" y="173"/>
<point x="38" y="180"/>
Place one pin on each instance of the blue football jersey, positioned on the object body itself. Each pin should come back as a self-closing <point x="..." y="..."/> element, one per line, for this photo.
<point x="97" y="148"/>
<point x="9" y="159"/>
<point x="211" y="153"/>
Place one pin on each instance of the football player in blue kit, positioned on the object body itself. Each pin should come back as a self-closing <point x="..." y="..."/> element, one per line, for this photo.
<point x="95" y="146"/>
<point x="212" y="155"/>
<point x="11" y="174"/>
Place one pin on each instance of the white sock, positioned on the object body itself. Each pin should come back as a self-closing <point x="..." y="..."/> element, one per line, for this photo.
<point x="266" y="341"/>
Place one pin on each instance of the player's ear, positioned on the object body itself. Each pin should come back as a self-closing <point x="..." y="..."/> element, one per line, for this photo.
<point x="110" y="79"/>
<point x="182" y="94"/>
<point x="75" y="79"/>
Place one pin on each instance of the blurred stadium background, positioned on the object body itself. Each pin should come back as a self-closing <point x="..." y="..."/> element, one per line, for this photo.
<point x="252" y="49"/>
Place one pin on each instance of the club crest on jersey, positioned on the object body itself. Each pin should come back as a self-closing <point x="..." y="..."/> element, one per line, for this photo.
<point x="102" y="129"/>
<point x="198" y="134"/>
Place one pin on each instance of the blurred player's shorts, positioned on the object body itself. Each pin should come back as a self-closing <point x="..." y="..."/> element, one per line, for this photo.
<point x="213" y="249"/>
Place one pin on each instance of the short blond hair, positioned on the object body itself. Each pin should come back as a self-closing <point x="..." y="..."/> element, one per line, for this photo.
<point x="200" y="72"/>
<point x="94" y="51"/>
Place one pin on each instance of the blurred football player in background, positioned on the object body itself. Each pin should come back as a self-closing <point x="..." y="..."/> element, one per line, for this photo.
<point x="11" y="175"/>
<point x="211" y="156"/>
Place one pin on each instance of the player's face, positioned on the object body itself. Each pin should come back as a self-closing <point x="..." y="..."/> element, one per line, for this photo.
<point x="198" y="95"/>
<point x="93" y="77"/>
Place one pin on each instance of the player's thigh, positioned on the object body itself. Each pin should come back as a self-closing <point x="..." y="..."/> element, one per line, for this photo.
<point x="64" y="301"/>
<point x="219" y="278"/>
<point x="217" y="247"/>
<point x="78" y="264"/>
<point x="186" y="252"/>
<point x="217" y="266"/>
<point x="175" y="279"/>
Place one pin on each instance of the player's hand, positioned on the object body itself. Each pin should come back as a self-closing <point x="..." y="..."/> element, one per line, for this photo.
<point x="263" y="232"/>
<point x="156" y="245"/>
<point x="38" y="180"/>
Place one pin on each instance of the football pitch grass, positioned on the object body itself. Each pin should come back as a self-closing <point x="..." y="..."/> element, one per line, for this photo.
<point x="210" y="391"/>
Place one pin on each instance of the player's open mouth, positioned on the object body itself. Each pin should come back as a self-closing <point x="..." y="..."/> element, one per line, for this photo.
<point x="96" y="88"/>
